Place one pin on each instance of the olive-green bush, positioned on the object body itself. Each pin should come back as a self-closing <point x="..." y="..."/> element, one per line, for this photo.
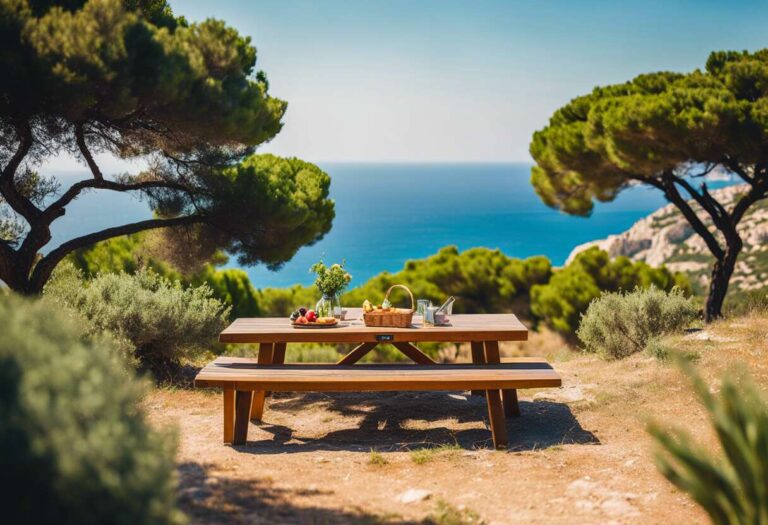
<point x="733" y="486"/>
<point x="75" y="446"/>
<point x="163" y="320"/>
<point x="618" y="324"/>
<point x="562" y="300"/>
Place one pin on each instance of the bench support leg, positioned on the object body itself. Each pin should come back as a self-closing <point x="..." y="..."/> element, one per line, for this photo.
<point x="496" y="418"/>
<point x="478" y="358"/>
<point x="229" y="415"/>
<point x="265" y="358"/>
<point x="242" y="410"/>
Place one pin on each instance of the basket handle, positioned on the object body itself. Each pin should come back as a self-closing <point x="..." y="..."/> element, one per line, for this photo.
<point x="404" y="287"/>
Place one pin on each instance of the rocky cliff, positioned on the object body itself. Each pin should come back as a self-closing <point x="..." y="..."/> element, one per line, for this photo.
<point x="664" y="237"/>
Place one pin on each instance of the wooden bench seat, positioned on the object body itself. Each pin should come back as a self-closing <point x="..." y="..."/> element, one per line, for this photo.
<point x="241" y="377"/>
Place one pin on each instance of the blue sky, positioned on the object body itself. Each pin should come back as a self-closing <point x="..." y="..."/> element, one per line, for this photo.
<point x="460" y="81"/>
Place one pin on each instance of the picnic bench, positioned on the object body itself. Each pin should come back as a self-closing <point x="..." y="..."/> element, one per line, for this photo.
<point x="246" y="382"/>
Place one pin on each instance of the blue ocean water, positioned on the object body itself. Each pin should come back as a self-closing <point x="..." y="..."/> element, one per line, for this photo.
<point x="389" y="213"/>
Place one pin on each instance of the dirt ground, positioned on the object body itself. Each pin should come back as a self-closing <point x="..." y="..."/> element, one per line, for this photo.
<point x="579" y="454"/>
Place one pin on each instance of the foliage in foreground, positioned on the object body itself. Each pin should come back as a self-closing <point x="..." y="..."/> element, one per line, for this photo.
<point x="74" y="444"/>
<point x="561" y="301"/>
<point x="733" y="487"/>
<point x="163" y="321"/>
<point x="620" y="324"/>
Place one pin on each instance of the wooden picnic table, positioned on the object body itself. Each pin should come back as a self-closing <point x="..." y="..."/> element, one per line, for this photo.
<point x="482" y="331"/>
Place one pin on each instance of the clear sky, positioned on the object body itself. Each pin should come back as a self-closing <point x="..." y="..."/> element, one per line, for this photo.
<point x="448" y="80"/>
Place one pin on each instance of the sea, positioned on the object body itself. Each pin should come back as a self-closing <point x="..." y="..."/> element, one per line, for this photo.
<point x="389" y="213"/>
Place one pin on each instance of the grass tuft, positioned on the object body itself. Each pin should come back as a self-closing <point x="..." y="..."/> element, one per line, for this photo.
<point x="447" y="514"/>
<point x="377" y="459"/>
<point x="425" y="455"/>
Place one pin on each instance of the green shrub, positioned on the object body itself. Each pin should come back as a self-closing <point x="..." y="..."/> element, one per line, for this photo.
<point x="561" y="301"/>
<point x="163" y="320"/>
<point x="731" y="488"/>
<point x="74" y="445"/>
<point x="483" y="281"/>
<point x="619" y="324"/>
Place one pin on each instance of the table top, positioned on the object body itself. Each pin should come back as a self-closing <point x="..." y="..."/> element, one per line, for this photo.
<point x="463" y="328"/>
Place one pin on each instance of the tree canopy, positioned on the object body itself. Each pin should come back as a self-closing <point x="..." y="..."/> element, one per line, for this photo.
<point x="131" y="79"/>
<point x="667" y="130"/>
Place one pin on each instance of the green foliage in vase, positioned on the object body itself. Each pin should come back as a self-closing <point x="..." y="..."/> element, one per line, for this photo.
<point x="618" y="324"/>
<point x="132" y="80"/>
<point x="74" y="439"/>
<point x="164" y="321"/>
<point x="330" y="280"/>
<point x="732" y="487"/>
<point x="668" y="131"/>
<point x="561" y="301"/>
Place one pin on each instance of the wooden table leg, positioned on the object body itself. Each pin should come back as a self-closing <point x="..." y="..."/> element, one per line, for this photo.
<point x="278" y="358"/>
<point x="278" y="354"/>
<point x="265" y="358"/>
<point x="511" y="406"/>
<point x="414" y="354"/>
<point x="478" y="358"/>
<point x="229" y="414"/>
<point x="356" y="354"/>
<point x="496" y="418"/>
<point x="243" y="401"/>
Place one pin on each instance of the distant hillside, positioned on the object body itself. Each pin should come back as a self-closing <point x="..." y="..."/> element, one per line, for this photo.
<point x="664" y="237"/>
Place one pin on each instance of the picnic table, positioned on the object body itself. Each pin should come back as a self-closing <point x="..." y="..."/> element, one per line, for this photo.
<point x="247" y="382"/>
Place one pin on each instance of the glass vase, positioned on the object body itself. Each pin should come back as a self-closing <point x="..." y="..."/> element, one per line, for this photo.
<point x="328" y="306"/>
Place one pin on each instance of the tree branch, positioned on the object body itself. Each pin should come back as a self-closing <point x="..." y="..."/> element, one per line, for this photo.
<point x="78" y="187"/>
<point x="734" y="166"/>
<point x="670" y="190"/>
<point x="45" y="266"/>
<point x="20" y="204"/>
<point x="757" y="192"/>
<point x="85" y="152"/>
<point x="708" y="203"/>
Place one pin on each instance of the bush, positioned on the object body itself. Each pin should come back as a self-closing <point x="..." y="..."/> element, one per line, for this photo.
<point x="163" y="320"/>
<point x="561" y="301"/>
<point x="619" y="324"/>
<point x="483" y="281"/>
<point x="732" y="488"/>
<point x="74" y="445"/>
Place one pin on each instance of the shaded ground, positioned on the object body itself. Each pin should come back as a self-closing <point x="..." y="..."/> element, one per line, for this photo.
<point x="579" y="454"/>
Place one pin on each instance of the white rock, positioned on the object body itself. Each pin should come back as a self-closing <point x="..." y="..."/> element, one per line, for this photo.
<point x="566" y="394"/>
<point x="414" y="496"/>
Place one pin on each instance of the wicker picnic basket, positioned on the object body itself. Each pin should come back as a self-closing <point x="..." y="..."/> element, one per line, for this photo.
<point x="394" y="317"/>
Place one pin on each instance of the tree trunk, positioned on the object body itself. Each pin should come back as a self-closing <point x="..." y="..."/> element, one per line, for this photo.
<point x="15" y="272"/>
<point x="718" y="285"/>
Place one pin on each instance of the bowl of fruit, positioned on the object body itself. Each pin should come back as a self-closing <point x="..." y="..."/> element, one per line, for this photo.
<point x="303" y="318"/>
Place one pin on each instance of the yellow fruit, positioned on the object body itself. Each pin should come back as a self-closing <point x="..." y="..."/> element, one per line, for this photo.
<point x="367" y="306"/>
